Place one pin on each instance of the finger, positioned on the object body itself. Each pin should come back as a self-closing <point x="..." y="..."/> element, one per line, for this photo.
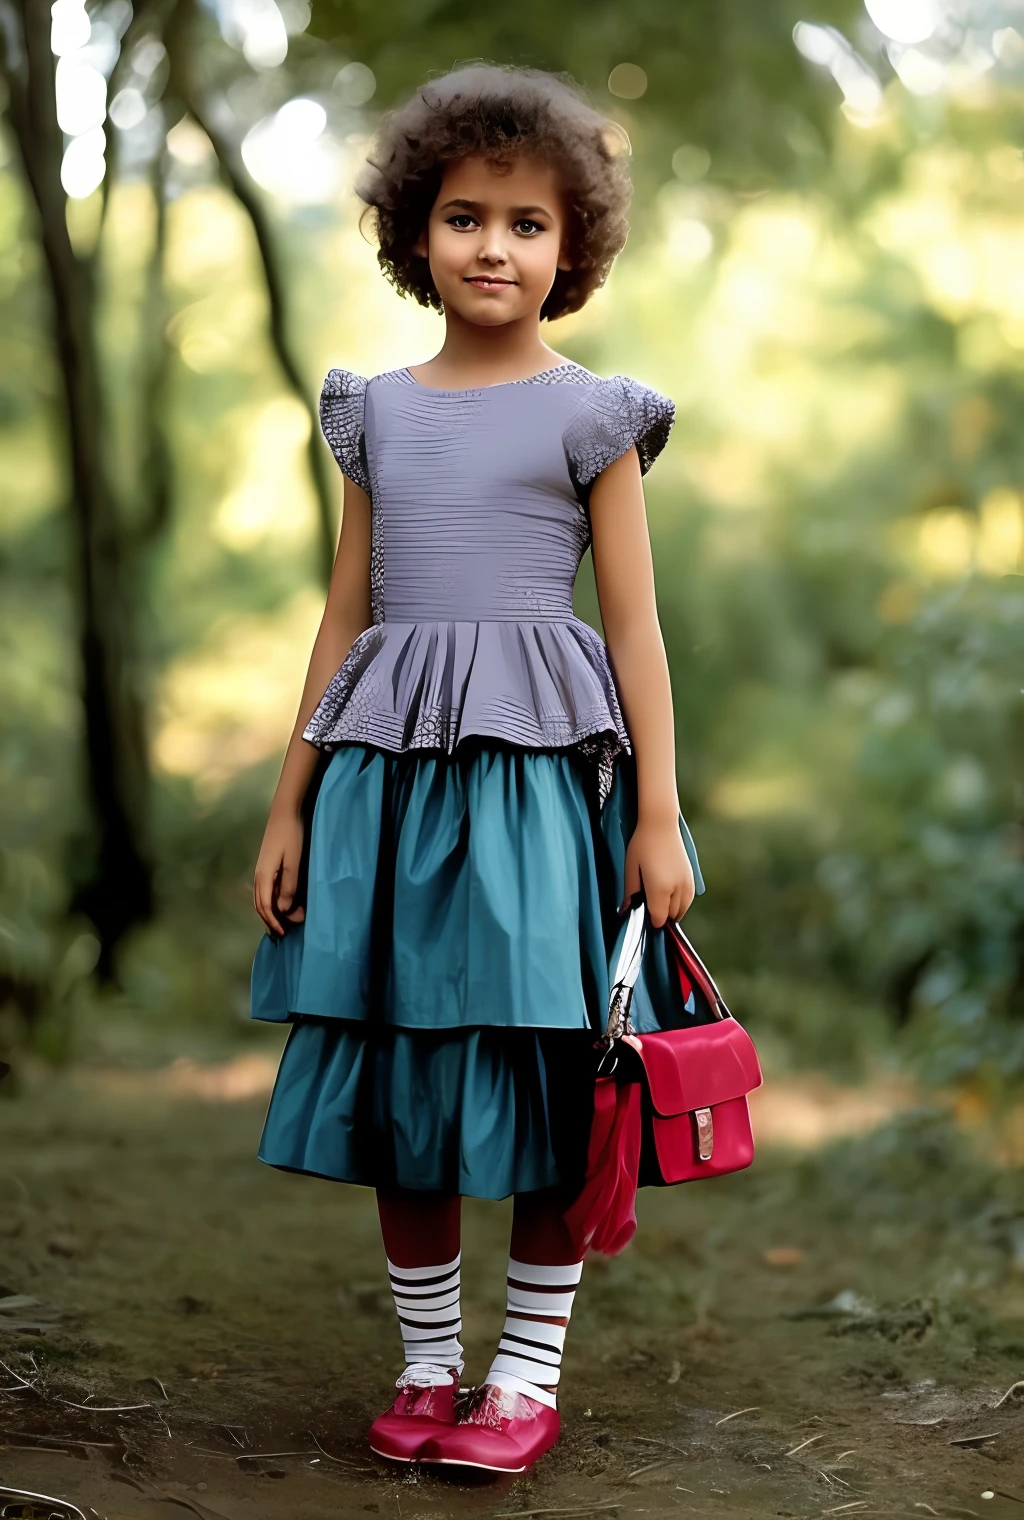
<point x="630" y="888"/>
<point x="286" y="890"/>
<point x="264" y="902"/>
<point x="265" y="913"/>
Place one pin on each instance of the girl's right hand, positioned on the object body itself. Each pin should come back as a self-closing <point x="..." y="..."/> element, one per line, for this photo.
<point x="277" y="873"/>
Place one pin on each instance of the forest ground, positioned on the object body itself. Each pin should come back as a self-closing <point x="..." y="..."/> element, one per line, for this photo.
<point x="833" y="1333"/>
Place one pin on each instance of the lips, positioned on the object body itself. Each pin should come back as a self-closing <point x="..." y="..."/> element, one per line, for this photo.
<point x="483" y="279"/>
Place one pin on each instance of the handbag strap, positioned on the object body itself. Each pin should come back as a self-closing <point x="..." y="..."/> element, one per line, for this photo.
<point x="699" y="971"/>
<point x="627" y="969"/>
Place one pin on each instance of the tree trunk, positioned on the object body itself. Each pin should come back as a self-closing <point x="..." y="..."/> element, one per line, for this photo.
<point x="112" y="878"/>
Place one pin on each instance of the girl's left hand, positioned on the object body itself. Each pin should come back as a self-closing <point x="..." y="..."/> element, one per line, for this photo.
<point x="656" y="859"/>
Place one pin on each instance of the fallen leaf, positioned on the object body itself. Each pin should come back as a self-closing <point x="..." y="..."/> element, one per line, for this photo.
<point x="784" y="1256"/>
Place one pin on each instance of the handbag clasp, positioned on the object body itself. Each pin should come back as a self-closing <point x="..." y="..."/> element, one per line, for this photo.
<point x="705" y="1133"/>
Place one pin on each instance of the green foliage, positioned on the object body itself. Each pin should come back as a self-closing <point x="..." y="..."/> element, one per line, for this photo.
<point x="833" y="523"/>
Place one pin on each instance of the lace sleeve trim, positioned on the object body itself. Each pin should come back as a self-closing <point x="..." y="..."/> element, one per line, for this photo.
<point x="341" y="418"/>
<point x="617" y="414"/>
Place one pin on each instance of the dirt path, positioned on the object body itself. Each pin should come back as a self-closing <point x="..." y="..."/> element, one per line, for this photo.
<point x="867" y="1300"/>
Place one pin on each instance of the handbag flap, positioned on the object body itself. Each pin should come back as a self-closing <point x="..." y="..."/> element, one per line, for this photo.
<point x="698" y="1067"/>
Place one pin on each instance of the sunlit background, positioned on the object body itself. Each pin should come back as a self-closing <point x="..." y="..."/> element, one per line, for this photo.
<point x="826" y="273"/>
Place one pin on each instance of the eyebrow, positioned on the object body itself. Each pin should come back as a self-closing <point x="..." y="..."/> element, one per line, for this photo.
<point x="516" y="210"/>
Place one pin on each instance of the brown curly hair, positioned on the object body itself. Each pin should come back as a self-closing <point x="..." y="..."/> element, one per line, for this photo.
<point x="498" y="111"/>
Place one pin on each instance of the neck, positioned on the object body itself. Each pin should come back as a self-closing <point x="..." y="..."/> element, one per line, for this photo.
<point x="492" y="353"/>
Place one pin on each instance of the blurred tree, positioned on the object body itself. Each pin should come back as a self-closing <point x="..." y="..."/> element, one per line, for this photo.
<point x="112" y="882"/>
<point x="725" y="78"/>
<point x="114" y="886"/>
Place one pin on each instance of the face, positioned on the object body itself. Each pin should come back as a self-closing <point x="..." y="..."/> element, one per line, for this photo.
<point x="494" y="241"/>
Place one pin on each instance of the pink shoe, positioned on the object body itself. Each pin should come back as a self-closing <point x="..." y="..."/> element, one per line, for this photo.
<point x="420" y="1411"/>
<point x="501" y="1431"/>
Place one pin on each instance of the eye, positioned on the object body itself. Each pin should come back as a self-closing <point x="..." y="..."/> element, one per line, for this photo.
<point x="532" y="227"/>
<point x="460" y="216"/>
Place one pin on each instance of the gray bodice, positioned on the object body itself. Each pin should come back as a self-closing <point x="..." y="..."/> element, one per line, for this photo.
<point x="479" y="523"/>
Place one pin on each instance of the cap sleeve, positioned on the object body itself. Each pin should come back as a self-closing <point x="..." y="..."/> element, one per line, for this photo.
<point x="341" y="417"/>
<point x="617" y="414"/>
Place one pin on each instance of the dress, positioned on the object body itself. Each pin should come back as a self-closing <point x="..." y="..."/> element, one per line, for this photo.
<point x="468" y="825"/>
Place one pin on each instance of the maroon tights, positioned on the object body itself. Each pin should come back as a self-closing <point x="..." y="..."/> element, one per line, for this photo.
<point x="421" y="1229"/>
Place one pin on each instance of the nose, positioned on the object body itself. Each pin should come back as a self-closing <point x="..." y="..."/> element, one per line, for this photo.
<point x="492" y="243"/>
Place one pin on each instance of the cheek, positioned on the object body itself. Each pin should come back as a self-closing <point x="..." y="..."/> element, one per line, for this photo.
<point x="539" y="257"/>
<point x="444" y="244"/>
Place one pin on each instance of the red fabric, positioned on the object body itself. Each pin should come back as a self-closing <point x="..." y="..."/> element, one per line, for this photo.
<point x="603" y="1217"/>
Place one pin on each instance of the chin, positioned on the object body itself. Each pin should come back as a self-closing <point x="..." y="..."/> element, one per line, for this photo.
<point x="482" y="315"/>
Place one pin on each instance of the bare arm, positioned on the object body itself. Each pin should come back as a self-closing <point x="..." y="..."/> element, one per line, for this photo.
<point x="346" y="614"/>
<point x="624" y="572"/>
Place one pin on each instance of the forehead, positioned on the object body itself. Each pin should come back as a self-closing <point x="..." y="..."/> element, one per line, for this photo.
<point x="526" y="181"/>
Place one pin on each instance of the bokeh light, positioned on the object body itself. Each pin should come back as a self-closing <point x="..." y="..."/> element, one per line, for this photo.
<point x="355" y="84"/>
<point x="903" y="20"/>
<point x="291" y="155"/>
<point x="628" y="81"/>
<point x="827" y="47"/>
<point x="690" y="162"/>
<point x="81" y="95"/>
<point x="69" y="27"/>
<point x="257" y="28"/>
<point x="83" y="165"/>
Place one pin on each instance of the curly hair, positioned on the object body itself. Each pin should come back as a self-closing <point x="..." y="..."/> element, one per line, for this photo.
<point x="500" y="112"/>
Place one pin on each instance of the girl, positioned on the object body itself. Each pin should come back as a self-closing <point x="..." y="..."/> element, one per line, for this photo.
<point x="443" y="895"/>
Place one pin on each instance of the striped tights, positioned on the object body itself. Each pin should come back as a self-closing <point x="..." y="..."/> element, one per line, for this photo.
<point x="421" y="1234"/>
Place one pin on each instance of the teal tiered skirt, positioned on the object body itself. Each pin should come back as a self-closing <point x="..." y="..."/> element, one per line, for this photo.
<point x="453" y="968"/>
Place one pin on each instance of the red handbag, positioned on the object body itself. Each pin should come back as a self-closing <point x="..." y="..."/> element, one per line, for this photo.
<point x="671" y="1105"/>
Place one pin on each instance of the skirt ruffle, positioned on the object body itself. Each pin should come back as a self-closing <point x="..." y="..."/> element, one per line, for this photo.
<point x="453" y="968"/>
<point x="482" y="1112"/>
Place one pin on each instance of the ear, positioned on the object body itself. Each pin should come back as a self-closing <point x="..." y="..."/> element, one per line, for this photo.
<point x="564" y="260"/>
<point x="419" y="248"/>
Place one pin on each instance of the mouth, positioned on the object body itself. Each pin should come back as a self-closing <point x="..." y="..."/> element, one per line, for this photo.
<point x="488" y="282"/>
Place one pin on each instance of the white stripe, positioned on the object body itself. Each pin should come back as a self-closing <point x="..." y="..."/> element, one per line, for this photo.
<point x="558" y="1304"/>
<point x="537" y="1354"/>
<point x="417" y="1274"/>
<point x="535" y="1330"/>
<point x="529" y="1355"/>
<point x="426" y="1295"/>
<point x="542" y="1373"/>
<point x="546" y="1276"/>
<point x="417" y="1311"/>
<point x="430" y="1332"/>
<point x="428" y="1303"/>
<point x="425" y="1286"/>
